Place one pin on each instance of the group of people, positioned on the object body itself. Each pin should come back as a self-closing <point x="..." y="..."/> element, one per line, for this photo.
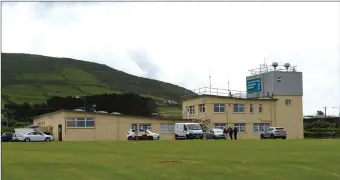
<point x="231" y="131"/>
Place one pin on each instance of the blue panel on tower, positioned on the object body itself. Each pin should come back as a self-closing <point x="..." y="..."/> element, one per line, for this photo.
<point x="254" y="85"/>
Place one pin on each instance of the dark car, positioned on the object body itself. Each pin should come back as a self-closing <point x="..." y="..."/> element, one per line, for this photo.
<point x="7" y="136"/>
<point x="214" y="134"/>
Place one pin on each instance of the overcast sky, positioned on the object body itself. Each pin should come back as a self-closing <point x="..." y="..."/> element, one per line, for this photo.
<point x="179" y="42"/>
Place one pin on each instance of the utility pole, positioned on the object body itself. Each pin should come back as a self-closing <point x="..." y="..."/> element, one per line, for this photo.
<point x="325" y="112"/>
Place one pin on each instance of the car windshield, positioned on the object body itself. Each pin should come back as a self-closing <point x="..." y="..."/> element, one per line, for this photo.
<point x="279" y="129"/>
<point x="148" y="131"/>
<point x="194" y="127"/>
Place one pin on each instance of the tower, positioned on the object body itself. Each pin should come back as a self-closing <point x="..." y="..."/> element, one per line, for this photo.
<point x="284" y="84"/>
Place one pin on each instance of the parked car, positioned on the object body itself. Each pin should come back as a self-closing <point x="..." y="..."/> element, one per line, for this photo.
<point x="188" y="131"/>
<point x="19" y="131"/>
<point x="273" y="133"/>
<point x="214" y="134"/>
<point x="6" y="137"/>
<point x="131" y="134"/>
<point x="34" y="136"/>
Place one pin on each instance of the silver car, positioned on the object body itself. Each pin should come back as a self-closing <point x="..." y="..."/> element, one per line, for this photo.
<point x="214" y="134"/>
<point x="273" y="133"/>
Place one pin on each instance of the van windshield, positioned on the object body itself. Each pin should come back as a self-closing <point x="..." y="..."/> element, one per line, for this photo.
<point x="194" y="127"/>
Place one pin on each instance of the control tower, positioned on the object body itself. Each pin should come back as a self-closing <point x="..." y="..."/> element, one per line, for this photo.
<point x="284" y="84"/>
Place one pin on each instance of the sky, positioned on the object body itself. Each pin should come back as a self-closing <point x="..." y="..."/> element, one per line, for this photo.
<point x="180" y="42"/>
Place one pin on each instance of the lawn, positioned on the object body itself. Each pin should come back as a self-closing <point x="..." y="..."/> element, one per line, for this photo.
<point x="180" y="160"/>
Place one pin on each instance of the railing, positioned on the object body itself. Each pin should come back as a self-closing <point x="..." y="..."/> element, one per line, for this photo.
<point x="225" y="93"/>
<point x="266" y="68"/>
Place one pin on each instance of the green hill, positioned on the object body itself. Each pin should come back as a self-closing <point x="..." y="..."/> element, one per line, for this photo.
<point x="35" y="78"/>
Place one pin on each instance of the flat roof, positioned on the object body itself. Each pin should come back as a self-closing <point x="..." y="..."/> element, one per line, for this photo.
<point x="227" y="97"/>
<point x="115" y="115"/>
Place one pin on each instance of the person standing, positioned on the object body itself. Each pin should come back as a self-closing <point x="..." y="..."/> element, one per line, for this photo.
<point x="235" y="132"/>
<point x="225" y="132"/>
<point x="230" y="131"/>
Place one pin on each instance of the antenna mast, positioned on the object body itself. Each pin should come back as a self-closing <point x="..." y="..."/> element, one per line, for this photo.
<point x="209" y="81"/>
<point x="228" y="81"/>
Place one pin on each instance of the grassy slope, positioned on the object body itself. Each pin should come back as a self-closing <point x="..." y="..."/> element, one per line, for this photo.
<point x="215" y="160"/>
<point x="34" y="78"/>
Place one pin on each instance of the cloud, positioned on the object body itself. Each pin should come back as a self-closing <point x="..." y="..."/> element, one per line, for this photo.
<point x="183" y="40"/>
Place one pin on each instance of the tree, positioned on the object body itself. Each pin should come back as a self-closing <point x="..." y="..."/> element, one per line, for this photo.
<point x="319" y="113"/>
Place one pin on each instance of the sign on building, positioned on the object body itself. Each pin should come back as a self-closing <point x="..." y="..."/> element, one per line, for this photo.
<point x="254" y="85"/>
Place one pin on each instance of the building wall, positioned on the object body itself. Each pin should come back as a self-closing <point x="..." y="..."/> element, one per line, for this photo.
<point x="290" y="116"/>
<point x="290" y="84"/>
<point x="229" y="117"/>
<point x="107" y="127"/>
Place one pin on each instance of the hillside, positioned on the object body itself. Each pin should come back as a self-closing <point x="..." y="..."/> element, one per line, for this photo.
<point x="34" y="78"/>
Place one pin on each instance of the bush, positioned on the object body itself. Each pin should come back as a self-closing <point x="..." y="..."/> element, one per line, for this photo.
<point x="7" y="129"/>
<point x="318" y="135"/>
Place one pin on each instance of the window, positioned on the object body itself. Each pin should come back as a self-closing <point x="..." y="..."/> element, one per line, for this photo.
<point x="80" y="122"/>
<point x="260" y="127"/>
<point x="191" y="109"/>
<point x="241" y="127"/>
<point x="238" y="107"/>
<point x="141" y="126"/>
<point x="260" y="108"/>
<point x="201" y="108"/>
<point x="288" y="102"/>
<point x="219" y="108"/>
<point x="251" y="108"/>
<point x="166" y="128"/>
<point x="220" y="125"/>
<point x="278" y="79"/>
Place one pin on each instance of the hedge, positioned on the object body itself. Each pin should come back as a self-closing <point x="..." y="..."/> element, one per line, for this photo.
<point x="308" y="134"/>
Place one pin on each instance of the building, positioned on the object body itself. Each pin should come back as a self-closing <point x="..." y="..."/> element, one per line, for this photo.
<point x="273" y="98"/>
<point x="68" y="125"/>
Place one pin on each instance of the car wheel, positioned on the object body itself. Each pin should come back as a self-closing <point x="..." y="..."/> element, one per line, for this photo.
<point x="130" y="138"/>
<point x="176" y="137"/>
<point x="262" y="137"/>
<point x="48" y="139"/>
<point x="272" y="136"/>
<point x="27" y="139"/>
<point x="284" y="138"/>
<point x="158" y="137"/>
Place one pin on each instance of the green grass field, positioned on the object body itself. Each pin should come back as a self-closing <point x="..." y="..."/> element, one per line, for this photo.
<point x="176" y="160"/>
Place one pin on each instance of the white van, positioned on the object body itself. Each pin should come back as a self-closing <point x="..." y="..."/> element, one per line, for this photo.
<point x="188" y="131"/>
<point x="19" y="131"/>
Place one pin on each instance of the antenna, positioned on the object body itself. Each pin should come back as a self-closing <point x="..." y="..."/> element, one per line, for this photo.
<point x="228" y="81"/>
<point x="209" y="81"/>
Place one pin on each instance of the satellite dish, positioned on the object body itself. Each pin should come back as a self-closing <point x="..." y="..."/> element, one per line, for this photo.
<point x="275" y="64"/>
<point x="286" y="65"/>
<point x="103" y="112"/>
<point x="117" y="113"/>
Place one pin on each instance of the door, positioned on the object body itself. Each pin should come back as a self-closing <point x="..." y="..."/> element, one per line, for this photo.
<point x="38" y="136"/>
<point x="60" y="132"/>
<point x="32" y="136"/>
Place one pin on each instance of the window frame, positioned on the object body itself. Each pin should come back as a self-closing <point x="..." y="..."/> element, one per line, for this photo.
<point x="260" y="108"/>
<point x="219" y="106"/>
<point x="251" y="108"/>
<point x="238" y="107"/>
<point x="75" y="120"/>
<point x="260" y="127"/>
<point x="239" y="125"/>
<point x="191" y="109"/>
<point x="290" y="102"/>
<point x="166" y="128"/>
<point x="278" y="79"/>
<point x="201" y="108"/>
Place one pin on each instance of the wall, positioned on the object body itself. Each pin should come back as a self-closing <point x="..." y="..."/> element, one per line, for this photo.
<point x="107" y="127"/>
<point x="51" y="123"/>
<point x="229" y="117"/>
<point x="290" y="116"/>
<point x="291" y="83"/>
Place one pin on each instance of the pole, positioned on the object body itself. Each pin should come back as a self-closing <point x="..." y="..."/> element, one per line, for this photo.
<point x="84" y="104"/>
<point x="325" y="112"/>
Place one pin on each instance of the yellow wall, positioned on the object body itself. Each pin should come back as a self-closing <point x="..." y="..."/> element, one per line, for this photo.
<point x="290" y="116"/>
<point x="275" y="112"/>
<point x="107" y="127"/>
